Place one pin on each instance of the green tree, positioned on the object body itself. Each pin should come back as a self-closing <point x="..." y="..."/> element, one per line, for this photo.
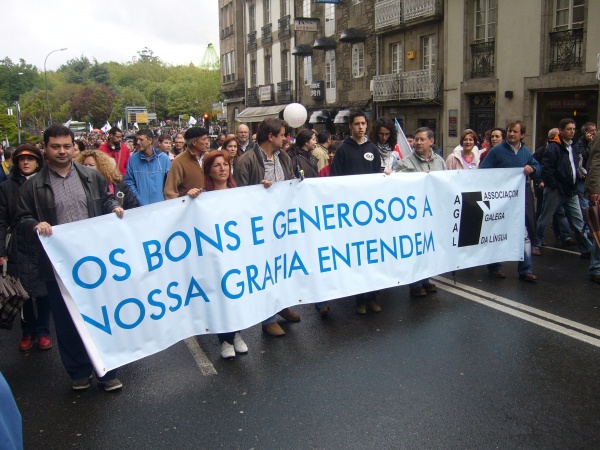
<point x="99" y="73"/>
<point x="8" y="128"/>
<point x="93" y="104"/>
<point x="126" y="96"/>
<point x="16" y="79"/>
<point x="76" y="69"/>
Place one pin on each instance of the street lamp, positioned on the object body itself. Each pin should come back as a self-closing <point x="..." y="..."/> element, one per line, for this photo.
<point x="46" y="78"/>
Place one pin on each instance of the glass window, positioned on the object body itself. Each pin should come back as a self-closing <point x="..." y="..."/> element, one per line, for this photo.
<point x="428" y="51"/>
<point x="252" y="18"/>
<point x="305" y="8"/>
<point x="285" y="66"/>
<point x="330" y="91"/>
<point x="268" y="75"/>
<point x="329" y="19"/>
<point x="485" y="20"/>
<point x="568" y="14"/>
<point x="267" y="9"/>
<point x="253" y="73"/>
<point x="307" y="70"/>
<point x="358" y="60"/>
<point x="396" y="53"/>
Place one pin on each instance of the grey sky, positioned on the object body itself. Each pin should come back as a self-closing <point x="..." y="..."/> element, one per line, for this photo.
<point x="109" y="30"/>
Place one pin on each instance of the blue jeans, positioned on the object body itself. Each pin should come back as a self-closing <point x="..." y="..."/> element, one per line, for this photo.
<point x="70" y="346"/>
<point x="524" y="267"/>
<point x="595" y="260"/>
<point x="36" y="326"/>
<point x="552" y="201"/>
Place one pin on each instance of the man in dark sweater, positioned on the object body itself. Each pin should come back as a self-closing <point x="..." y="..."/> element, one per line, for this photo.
<point x="355" y="156"/>
<point x="512" y="153"/>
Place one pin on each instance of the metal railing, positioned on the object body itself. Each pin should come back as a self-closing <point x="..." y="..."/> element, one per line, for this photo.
<point x="284" y="91"/>
<point x="388" y="13"/>
<point x="266" y="34"/>
<point x="284" y="27"/>
<point x="252" y="96"/>
<point x="252" y="40"/>
<point x="565" y="49"/>
<point x="416" y="9"/>
<point x="413" y="85"/>
<point x="483" y="55"/>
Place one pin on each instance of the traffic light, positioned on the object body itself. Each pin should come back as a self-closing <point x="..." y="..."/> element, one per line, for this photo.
<point x="205" y="117"/>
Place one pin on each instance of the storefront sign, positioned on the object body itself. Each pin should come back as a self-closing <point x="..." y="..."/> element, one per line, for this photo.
<point x="317" y="90"/>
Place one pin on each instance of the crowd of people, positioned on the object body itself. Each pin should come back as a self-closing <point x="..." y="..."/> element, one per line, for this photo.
<point x="65" y="182"/>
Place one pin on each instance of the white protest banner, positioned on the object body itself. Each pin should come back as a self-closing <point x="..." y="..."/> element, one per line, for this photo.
<point x="229" y="259"/>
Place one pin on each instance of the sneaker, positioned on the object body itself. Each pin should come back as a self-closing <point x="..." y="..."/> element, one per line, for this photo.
<point x="374" y="306"/>
<point x="111" y="385"/>
<point x="26" y="343"/>
<point x="44" y="343"/>
<point x="273" y="329"/>
<point x="81" y="384"/>
<point x="361" y="309"/>
<point x="289" y="315"/>
<point x="430" y="288"/>
<point x="238" y="344"/>
<point x="227" y="350"/>
<point x="497" y="274"/>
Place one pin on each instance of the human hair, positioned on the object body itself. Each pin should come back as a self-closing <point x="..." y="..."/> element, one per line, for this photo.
<point x="501" y="130"/>
<point x="587" y="125"/>
<point x="114" y="130"/>
<point x="514" y="124"/>
<point x="207" y="163"/>
<point x="380" y="123"/>
<point x="303" y="137"/>
<point x="267" y="127"/>
<point x="80" y="145"/>
<point x="104" y="165"/>
<point x="323" y="136"/>
<point x="145" y="132"/>
<point x="562" y="125"/>
<point x="8" y="152"/>
<point x="552" y="133"/>
<point x="26" y="149"/>
<point x="468" y="132"/>
<point x="409" y="135"/>
<point x="427" y="130"/>
<point x="57" y="130"/>
<point x="354" y="113"/>
<point x="226" y="142"/>
<point x="164" y="137"/>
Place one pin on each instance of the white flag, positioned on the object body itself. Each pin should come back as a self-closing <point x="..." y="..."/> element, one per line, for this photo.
<point x="68" y="123"/>
<point x="90" y="127"/>
<point x="120" y="124"/>
<point x="192" y="121"/>
<point x="402" y="147"/>
<point x="136" y="126"/>
<point x="106" y="127"/>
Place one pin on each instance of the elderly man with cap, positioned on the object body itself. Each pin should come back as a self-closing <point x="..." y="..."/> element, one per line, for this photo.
<point x="185" y="176"/>
<point x="21" y="254"/>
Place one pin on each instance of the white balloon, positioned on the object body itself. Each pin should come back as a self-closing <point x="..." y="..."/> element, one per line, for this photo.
<point x="295" y="115"/>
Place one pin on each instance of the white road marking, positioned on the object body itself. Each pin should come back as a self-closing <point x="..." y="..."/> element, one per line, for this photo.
<point x="200" y="357"/>
<point x="522" y="311"/>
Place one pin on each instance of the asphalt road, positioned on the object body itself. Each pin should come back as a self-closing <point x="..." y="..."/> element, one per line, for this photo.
<point x="485" y="363"/>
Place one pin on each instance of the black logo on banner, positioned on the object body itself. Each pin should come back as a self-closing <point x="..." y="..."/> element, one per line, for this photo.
<point x="471" y="218"/>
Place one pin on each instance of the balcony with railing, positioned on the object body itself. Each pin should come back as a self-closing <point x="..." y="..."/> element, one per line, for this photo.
<point x="388" y="13"/>
<point x="252" y="41"/>
<point x="227" y="31"/>
<point x="284" y="27"/>
<point x="566" y="48"/>
<point x="483" y="56"/>
<point x="266" y="34"/>
<point x="417" y="85"/>
<point x="252" y="96"/>
<point x="284" y="92"/>
<point x="393" y="13"/>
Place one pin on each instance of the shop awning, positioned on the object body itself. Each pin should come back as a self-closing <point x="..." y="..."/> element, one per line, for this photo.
<point x="353" y="35"/>
<point x="233" y="100"/>
<point x="325" y="43"/>
<point x="342" y="116"/>
<point x="302" y="50"/>
<point x="321" y="116"/>
<point x="259" y="113"/>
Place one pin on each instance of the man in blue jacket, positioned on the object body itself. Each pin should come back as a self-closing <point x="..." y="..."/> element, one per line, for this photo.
<point x="559" y="172"/>
<point x="512" y="153"/>
<point x="147" y="170"/>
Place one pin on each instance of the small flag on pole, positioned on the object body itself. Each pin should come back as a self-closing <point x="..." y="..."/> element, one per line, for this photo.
<point x="90" y="127"/>
<point x="68" y="123"/>
<point x="192" y="121"/>
<point x="106" y="127"/>
<point x="402" y="147"/>
<point x="120" y="124"/>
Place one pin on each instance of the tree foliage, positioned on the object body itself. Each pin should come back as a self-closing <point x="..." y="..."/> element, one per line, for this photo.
<point x="83" y="89"/>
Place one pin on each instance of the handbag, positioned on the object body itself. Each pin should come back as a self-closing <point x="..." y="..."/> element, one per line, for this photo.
<point x="12" y="298"/>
